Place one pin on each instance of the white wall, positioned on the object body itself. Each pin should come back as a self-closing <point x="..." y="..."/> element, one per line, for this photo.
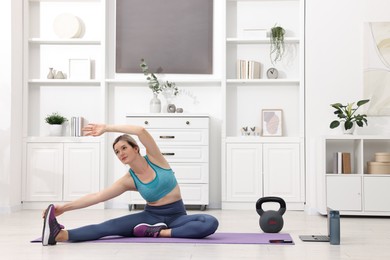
<point x="10" y="106"/>
<point x="334" y="73"/>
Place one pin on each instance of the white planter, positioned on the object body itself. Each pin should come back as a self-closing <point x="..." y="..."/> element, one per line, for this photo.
<point x="55" y="130"/>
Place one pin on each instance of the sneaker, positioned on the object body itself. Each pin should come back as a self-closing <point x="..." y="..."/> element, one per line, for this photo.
<point x="146" y="230"/>
<point x="51" y="228"/>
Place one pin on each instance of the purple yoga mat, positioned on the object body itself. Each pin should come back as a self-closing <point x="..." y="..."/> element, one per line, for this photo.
<point x="217" y="238"/>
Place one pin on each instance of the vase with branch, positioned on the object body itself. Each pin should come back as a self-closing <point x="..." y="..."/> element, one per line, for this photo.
<point x="154" y="85"/>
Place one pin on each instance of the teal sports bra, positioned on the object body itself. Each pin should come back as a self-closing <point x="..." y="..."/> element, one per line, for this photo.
<point x="164" y="182"/>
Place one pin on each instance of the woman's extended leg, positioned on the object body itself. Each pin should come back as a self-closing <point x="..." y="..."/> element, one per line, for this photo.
<point x="193" y="226"/>
<point x="122" y="226"/>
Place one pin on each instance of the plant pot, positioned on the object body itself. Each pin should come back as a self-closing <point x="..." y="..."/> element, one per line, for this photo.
<point x="350" y="131"/>
<point x="55" y="130"/>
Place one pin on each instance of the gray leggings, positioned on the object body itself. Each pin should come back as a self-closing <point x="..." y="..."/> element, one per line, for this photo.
<point x="173" y="215"/>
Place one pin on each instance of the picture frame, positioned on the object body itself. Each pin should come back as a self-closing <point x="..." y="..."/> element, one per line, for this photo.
<point x="272" y="122"/>
<point x="80" y="69"/>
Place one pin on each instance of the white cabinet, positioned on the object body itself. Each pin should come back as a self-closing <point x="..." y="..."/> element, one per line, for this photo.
<point x="282" y="172"/>
<point x="358" y="192"/>
<point x="279" y="165"/>
<point x="184" y="141"/>
<point x="60" y="171"/>
<point x="44" y="172"/>
<point x="244" y="173"/>
<point x="254" y="170"/>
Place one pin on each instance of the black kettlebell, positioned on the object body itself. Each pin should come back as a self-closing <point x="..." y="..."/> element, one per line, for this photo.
<point x="271" y="221"/>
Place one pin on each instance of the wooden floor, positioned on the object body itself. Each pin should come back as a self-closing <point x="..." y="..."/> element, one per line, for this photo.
<point x="361" y="238"/>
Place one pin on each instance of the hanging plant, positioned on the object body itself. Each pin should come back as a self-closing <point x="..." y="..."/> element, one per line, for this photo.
<point x="277" y="43"/>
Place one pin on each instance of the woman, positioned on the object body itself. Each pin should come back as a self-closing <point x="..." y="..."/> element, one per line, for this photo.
<point x="151" y="175"/>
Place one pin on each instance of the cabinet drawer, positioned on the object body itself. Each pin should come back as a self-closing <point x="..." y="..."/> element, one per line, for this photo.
<point x="180" y="137"/>
<point x="184" y="153"/>
<point x="191" y="172"/>
<point x="171" y="122"/>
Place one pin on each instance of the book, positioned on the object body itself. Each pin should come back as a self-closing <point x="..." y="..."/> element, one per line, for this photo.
<point x="346" y="163"/>
<point x="248" y="69"/>
<point x="337" y="162"/>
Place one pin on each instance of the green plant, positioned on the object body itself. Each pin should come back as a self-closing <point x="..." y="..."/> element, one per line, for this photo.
<point x="347" y="114"/>
<point x="55" y="119"/>
<point x="170" y="86"/>
<point x="277" y="43"/>
<point x="154" y="84"/>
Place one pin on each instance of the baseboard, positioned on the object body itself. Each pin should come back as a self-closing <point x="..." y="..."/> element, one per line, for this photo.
<point x="10" y="209"/>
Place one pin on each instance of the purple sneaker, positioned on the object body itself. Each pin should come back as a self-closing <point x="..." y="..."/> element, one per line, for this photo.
<point x="51" y="228"/>
<point x="146" y="230"/>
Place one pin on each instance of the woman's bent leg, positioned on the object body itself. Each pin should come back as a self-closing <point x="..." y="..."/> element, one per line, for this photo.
<point x="193" y="226"/>
<point x="122" y="226"/>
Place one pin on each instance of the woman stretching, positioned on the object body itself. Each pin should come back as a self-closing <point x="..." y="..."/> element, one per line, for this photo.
<point x="152" y="177"/>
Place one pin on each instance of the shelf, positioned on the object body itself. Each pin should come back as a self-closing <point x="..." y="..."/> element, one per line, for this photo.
<point x="177" y="81"/>
<point x="63" y="41"/>
<point x="63" y="139"/>
<point x="262" y="139"/>
<point x="64" y="82"/>
<point x="258" y="41"/>
<point x="262" y="81"/>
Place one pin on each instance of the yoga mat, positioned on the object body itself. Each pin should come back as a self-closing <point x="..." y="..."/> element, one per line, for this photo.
<point x="217" y="238"/>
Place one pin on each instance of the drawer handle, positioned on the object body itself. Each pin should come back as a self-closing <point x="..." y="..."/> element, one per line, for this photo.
<point x="167" y="137"/>
<point x="187" y="122"/>
<point x="169" y="154"/>
<point x="146" y="122"/>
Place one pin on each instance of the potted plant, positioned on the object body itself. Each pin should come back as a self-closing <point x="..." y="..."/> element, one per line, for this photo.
<point x="277" y="43"/>
<point x="347" y="114"/>
<point x="169" y="89"/>
<point x="55" y="121"/>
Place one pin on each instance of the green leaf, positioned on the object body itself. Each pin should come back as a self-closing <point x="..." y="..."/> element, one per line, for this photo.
<point x="334" y="124"/>
<point x="362" y="102"/>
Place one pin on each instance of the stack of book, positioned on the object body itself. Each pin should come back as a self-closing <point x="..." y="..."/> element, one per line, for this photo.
<point x="76" y="124"/>
<point x="342" y="162"/>
<point x="248" y="69"/>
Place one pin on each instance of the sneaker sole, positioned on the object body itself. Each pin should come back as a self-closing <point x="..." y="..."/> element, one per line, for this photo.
<point x="46" y="227"/>
<point x="157" y="224"/>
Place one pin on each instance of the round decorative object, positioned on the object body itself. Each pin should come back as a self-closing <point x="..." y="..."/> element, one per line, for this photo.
<point x="271" y="221"/>
<point x="272" y="73"/>
<point x="67" y="26"/>
<point x="171" y="108"/>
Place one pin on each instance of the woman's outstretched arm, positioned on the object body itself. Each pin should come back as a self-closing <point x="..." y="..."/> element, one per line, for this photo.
<point x="152" y="150"/>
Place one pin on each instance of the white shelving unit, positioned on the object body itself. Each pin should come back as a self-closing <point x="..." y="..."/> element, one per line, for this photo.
<point x="357" y="193"/>
<point x="43" y="49"/>
<point x="244" y="100"/>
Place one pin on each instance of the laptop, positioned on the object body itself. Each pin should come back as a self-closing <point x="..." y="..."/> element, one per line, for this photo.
<point x="321" y="238"/>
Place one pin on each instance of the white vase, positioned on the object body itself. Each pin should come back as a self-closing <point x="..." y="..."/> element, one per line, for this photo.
<point x="350" y="131"/>
<point x="55" y="130"/>
<point x="155" y="104"/>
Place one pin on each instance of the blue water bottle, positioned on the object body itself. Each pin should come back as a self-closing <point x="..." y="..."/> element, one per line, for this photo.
<point x="334" y="227"/>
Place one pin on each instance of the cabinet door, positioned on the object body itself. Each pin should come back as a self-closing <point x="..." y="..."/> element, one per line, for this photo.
<point x="43" y="180"/>
<point x="244" y="175"/>
<point x="376" y="193"/>
<point x="81" y="169"/>
<point x="282" y="172"/>
<point x="344" y="192"/>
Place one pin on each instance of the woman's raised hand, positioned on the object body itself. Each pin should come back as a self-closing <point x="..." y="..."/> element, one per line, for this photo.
<point x="94" y="129"/>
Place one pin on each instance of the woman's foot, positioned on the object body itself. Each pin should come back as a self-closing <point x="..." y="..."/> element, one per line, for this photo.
<point x="146" y="230"/>
<point x="51" y="228"/>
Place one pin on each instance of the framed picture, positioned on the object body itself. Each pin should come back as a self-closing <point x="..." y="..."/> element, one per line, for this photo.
<point x="272" y="122"/>
<point x="80" y="69"/>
